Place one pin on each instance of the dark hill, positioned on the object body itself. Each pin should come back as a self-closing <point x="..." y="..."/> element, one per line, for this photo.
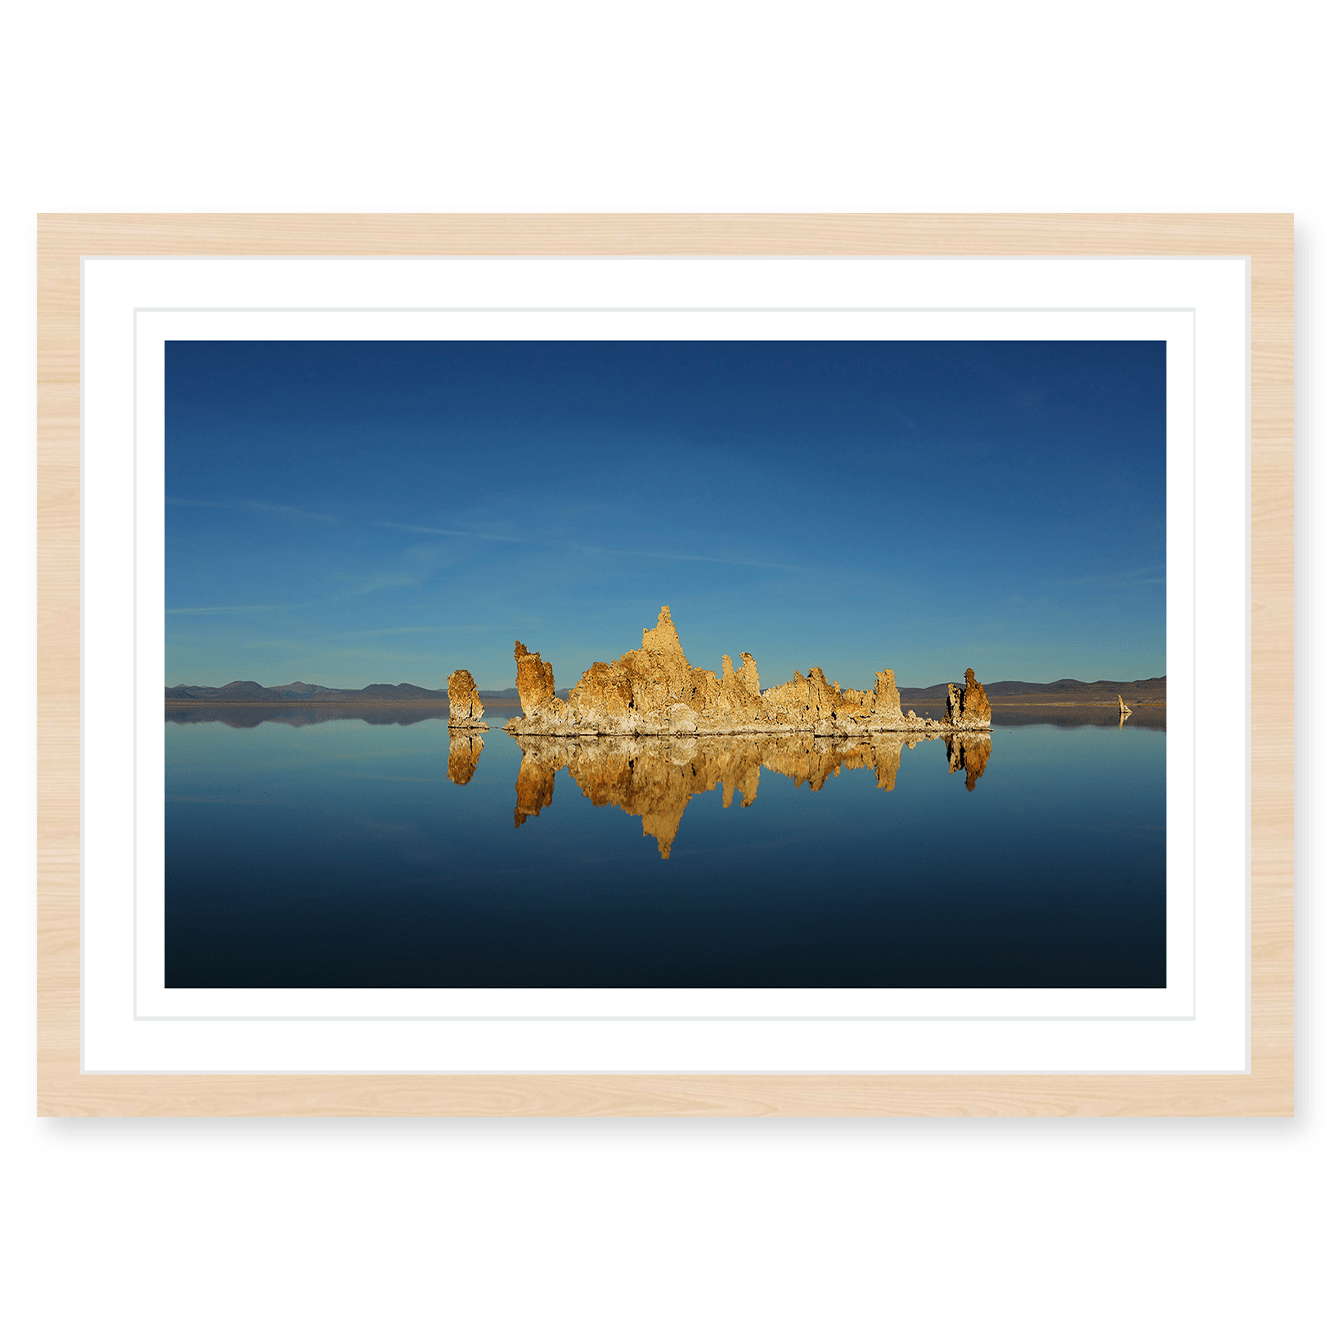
<point x="242" y="688"/>
<point x="397" y="692"/>
<point x="1012" y="691"/>
<point x="246" y="690"/>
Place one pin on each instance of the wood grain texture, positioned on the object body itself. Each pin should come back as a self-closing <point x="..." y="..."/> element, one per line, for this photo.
<point x="1266" y="239"/>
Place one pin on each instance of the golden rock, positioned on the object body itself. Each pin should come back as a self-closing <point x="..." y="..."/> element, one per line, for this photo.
<point x="655" y="690"/>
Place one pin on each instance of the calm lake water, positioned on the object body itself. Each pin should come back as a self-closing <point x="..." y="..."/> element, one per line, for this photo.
<point x="341" y="852"/>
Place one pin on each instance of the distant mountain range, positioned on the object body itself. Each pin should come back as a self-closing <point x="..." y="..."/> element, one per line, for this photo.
<point x="1011" y="691"/>
<point x="246" y="690"/>
<point x="1060" y="690"/>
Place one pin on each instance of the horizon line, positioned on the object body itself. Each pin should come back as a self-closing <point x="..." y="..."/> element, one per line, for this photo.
<point x="378" y="683"/>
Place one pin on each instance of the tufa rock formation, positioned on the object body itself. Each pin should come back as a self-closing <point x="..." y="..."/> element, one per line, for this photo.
<point x="1123" y="709"/>
<point x="654" y="690"/>
<point x="967" y="708"/>
<point x="464" y="705"/>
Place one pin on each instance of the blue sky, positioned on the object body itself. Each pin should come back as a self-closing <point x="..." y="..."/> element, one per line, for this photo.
<point x="350" y="513"/>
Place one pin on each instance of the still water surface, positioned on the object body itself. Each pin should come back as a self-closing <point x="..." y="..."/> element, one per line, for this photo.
<point x="342" y="853"/>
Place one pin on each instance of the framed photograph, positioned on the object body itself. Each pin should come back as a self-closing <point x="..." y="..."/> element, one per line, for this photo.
<point x="694" y="665"/>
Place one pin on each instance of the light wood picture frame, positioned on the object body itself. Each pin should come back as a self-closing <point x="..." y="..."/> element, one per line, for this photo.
<point x="1267" y="241"/>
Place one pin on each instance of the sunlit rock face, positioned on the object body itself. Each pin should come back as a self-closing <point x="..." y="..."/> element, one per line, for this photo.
<point x="968" y="708"/>
<point x="463" y="756"/>
<point x="654" y="778"/>
<point x="655" y="691"/>
<point x="464" y="705"/>
<point x="604" y="690"/>
<point x="546" y="713"/>
<point x="535" y="679"/>
<point x="885" y="699"/>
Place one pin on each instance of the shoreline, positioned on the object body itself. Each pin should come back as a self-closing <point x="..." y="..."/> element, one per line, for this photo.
<point x="926" y="729"/>
<point x="441" y="703"/>
<point x="1083" y="706"/>
<point x="498" y="703"/>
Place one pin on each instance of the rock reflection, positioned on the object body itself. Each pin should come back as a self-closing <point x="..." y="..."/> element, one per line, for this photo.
<point x="535" y="781"/>
<point x="654" y="778"/>
<point x="968" y="753"/>
<point x="463" y="756"/>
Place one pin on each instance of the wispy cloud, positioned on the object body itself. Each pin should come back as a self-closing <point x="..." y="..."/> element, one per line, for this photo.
<point x="284" y="510"/>
<point x="451" y="531"/>
<point x="226" y="609"/>
<point x="287" y="511"/>
<point x="684" y="558"/>
<point x="365" y="653"/>
<point x="212" y="799"/>
<point x="584" y="549"/>
<point x="1151" y="576"/>
<point x="422" y="628"/>
<point x="364" y="586"/>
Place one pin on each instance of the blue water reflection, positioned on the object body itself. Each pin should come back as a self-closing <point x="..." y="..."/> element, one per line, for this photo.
<point x="344" y="854"/>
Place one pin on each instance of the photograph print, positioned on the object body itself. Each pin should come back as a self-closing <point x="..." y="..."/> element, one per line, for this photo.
<point x="665" y="664"/>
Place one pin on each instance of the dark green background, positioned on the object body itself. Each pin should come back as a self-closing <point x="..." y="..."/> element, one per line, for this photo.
<point x="633" y="104"/>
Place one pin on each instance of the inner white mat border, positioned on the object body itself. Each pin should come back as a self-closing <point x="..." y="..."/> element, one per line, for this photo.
<point x="691" y="1029"/>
